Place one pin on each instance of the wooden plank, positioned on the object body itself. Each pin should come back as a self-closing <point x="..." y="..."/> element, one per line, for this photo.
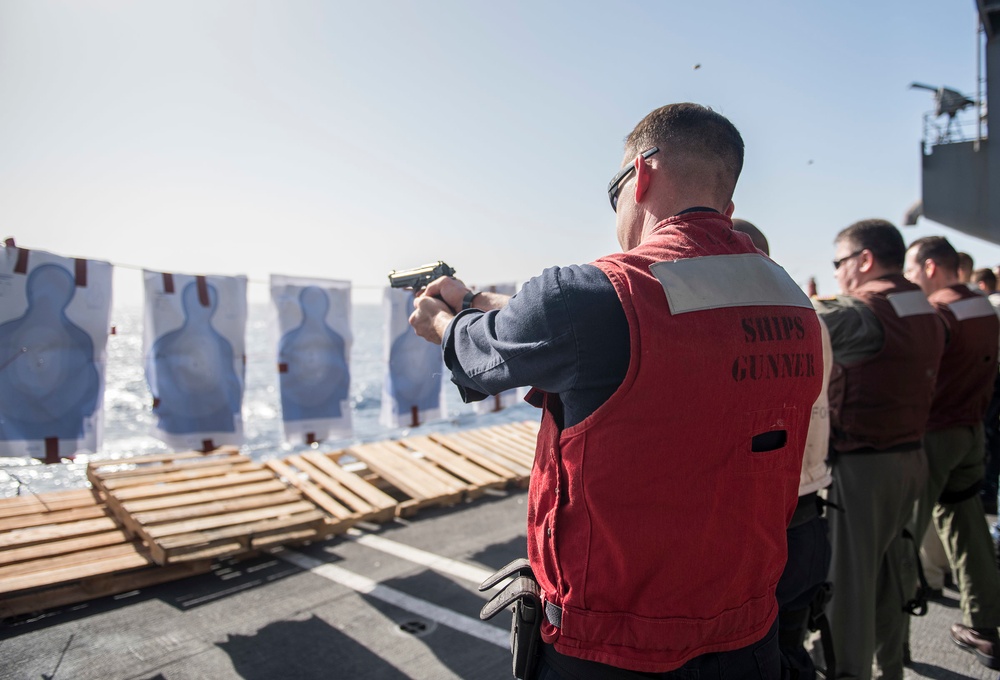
<point x="215" y="508"/>
<point x="361" y="507"/>
<point x="195" y="485"/>
<point x="408" y="481"/>
<point x="233" y="519"/>
<point x="154" y="459"/>
<point x="97" y="586"/>
<point x="469" y="448"/>
<point x="312" y="492"/>
<point x="529" y="426"/>
<point x="182" y="475"/>
<point x="499" y="442"/>
<point x="134" y="560"/>
<point x="56" y="562"/>
<point x="124" y="518"/>
<point x="451" y="482"/>
<point x="406" y="477"/>
<point x="23" y="537"/>
<point x="369" y="492"/>
<point x="506" y="470"/>
<point x="332" y="487"/>
<point x="516" y="435"/>
<point x="504" y="449"/>
<point x="210" y="551"/>
<point x="514" y="431"/>
<point x="243" y="530"/>
<point x="454" y="463"/>
<point x="161" y="502"/>
<point x="260" y="541"/>
<point x="203" y="462"/>
<point x="139" y="460"/>
<point x="54" y="517"/>
<point x="211" y="543"/>
<point x="58" y="500"/>
<point x="60" y="547"/>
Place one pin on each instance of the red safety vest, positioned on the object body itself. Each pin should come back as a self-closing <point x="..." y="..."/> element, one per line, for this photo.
<point x="655" y="530"/>
<point x="883" y="401"/>
<point x="969" y="363"/>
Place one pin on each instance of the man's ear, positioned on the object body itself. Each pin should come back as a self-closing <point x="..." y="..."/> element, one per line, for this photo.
<point x="867" y="261"/>
<point x="643" y="174"/>
<point x="730" y="209"/>
<point x="930" y="266"/>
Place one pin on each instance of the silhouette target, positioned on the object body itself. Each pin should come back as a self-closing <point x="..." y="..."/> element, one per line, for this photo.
<point x="317" y="379"/>
<point x="197" y="387"/>
<point x="48" y="381"/>
<point x="415" y="372"/>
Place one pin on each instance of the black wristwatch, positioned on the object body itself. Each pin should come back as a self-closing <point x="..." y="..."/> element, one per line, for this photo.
<point x="467" y="300"/>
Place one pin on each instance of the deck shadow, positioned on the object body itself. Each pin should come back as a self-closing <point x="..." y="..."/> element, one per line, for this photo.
<point x="311" y="649"/>
<point x="499" y="554"/>
<point x="464" y="655"/>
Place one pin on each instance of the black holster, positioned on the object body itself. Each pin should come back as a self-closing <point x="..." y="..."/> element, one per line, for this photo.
<point x="523" y="596"/>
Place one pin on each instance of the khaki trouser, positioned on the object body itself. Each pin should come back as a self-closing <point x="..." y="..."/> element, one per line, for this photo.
<point x="871" y="561"/>
<point x="934" y="559"/>
<point x="955" y="463"/>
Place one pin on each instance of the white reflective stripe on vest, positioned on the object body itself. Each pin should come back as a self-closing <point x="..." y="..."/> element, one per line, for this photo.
<point x="971" y="308"/>
<point x="716" y="281"/>
<point x="910" y="303"/>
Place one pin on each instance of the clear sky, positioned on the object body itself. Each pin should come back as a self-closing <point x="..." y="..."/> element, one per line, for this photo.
<point x="345" y="139"/>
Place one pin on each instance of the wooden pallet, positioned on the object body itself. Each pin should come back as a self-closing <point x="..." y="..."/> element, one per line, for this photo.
<point x="428" y="470"/>
<point x="66" y="547"/>
<point x="491" y="448"/>
<point x="375" y="482"/>
<point x="193" y="506"/>
<point x="346" y="496"/>
<point x="153" y="519"/>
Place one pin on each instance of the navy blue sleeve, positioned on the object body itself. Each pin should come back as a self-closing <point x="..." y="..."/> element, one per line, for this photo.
<point x="564" y="332"/>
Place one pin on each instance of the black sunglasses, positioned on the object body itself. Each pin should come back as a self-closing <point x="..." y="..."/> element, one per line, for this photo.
<point x="616" y="183"/>
<point x="837" y="263"/>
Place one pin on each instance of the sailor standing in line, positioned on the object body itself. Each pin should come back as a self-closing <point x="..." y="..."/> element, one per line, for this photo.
<point x="955" y="443"/>
<point x="887" y="343"/>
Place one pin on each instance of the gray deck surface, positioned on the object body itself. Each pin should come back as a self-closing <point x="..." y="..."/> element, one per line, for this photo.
<point x="265" y="617"/>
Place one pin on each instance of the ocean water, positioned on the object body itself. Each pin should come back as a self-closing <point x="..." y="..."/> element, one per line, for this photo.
<point x="129" y="426"/>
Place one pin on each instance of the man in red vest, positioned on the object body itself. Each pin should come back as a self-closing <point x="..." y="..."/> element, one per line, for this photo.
<point x="887" y="343"/>
<point x="676" y="380"/>
<point x="955" y="442"/>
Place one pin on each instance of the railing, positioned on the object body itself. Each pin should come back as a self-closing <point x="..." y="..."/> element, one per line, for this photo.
<point x="964" y="127"/>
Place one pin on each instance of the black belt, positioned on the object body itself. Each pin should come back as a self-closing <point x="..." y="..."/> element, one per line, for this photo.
<point x="898" y="448"/>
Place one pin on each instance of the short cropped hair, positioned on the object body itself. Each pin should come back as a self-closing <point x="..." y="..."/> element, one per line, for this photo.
<point x="878" y="236"/>
<point x="987" y="276"/>
<point x="693" y="130"/>
<point x="938" y="250"/>
<point x="965" y="264"/>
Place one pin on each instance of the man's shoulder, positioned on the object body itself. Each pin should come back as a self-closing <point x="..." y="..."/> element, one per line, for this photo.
<point x="570" y="286"/>
<point x="850" y="321"/>
<point x="834" y="305"/>
<point x="575" y="276"/>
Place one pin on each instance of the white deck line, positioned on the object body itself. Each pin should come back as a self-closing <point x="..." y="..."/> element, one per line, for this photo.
<point x="443" y="565"/>
<point x="367" y="586"/>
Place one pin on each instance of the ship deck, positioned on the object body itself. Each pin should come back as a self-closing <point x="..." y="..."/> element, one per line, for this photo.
<point x="386" y="599"/>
